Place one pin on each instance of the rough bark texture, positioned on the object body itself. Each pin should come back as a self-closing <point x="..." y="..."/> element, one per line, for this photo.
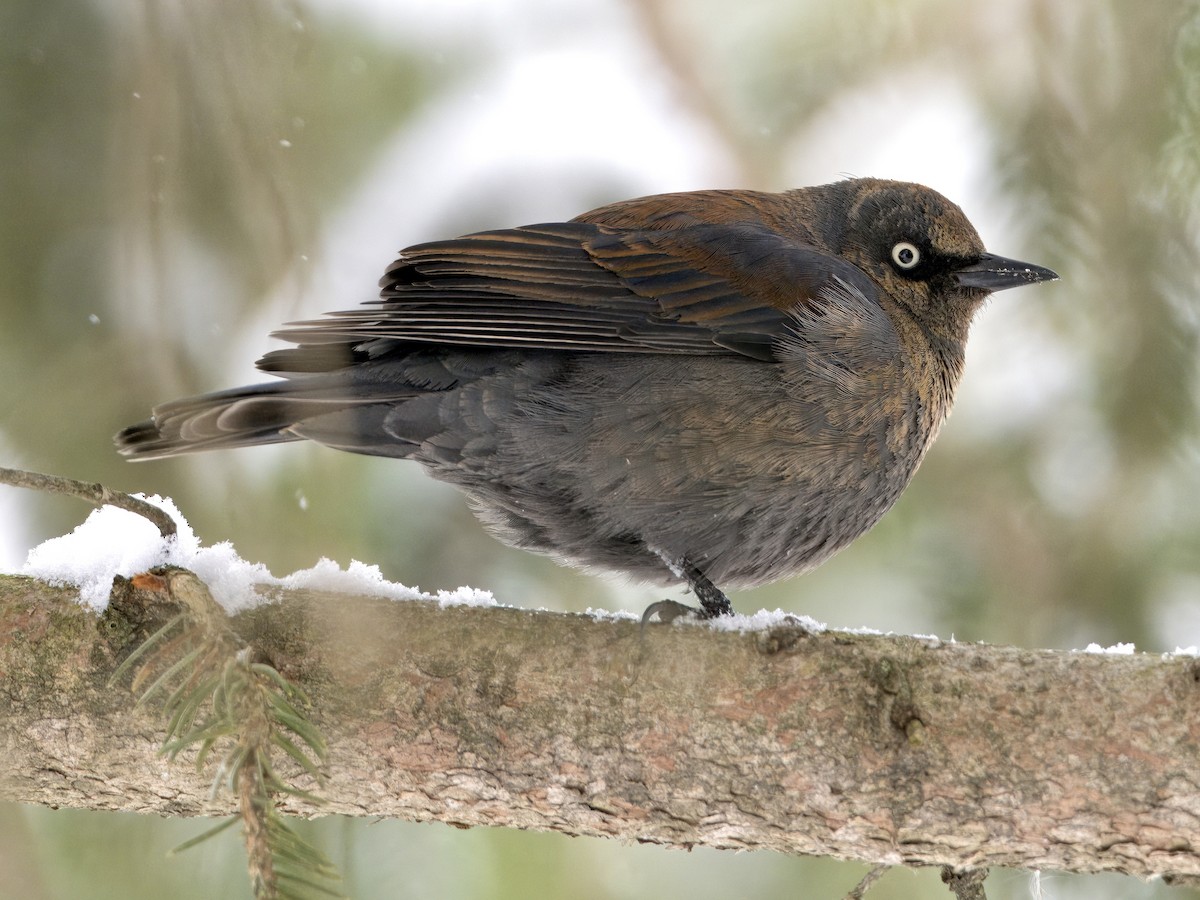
<point x="882" y="749"/>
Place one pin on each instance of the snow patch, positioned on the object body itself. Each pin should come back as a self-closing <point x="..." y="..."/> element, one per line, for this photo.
<point x="1114" y="650"/>
<point x="114" y="541"/>
<point x="465" y="596"/>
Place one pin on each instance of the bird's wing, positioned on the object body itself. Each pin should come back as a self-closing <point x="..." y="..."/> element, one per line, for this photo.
<point x="700" y="288"/>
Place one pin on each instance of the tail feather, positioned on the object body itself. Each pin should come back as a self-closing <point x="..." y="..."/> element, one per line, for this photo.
<point x="250" y="416"/>
<point x="245" y="417"/>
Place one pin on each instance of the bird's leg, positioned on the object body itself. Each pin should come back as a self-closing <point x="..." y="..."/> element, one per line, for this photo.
<point x="713" y="601"/>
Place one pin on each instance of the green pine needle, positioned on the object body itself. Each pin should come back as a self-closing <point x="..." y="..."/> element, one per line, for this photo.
<point x="215" y="697"/>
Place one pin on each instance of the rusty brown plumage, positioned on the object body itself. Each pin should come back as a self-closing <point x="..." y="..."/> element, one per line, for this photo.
<point x="718" y="387"/>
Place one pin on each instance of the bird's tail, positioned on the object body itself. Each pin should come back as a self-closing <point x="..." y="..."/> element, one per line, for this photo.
<point x="321" y="408"/>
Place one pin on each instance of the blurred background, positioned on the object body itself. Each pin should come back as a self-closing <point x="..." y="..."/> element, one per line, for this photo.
<point x="177" y="179"/>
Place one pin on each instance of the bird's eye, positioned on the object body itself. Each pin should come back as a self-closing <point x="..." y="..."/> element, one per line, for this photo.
<point x="906" y="255"/>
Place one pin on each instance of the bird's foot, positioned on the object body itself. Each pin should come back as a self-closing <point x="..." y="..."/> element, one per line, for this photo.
<point x="713" y="602"/>
<point x="668" y="611"/>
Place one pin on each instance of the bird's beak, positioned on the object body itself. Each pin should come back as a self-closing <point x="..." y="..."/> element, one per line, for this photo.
<point x="995" y="273"/>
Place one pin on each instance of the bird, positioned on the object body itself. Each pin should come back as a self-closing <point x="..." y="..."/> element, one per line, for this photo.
<point x="713" y="388"/>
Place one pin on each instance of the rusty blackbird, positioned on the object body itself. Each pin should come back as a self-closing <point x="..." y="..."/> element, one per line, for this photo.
<point x="714" y="387"/>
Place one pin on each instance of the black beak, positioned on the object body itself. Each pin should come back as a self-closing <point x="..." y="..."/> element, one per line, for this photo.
<point x="995" y="273"/>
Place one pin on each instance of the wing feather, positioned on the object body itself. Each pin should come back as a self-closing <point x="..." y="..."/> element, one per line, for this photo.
<point x="692" y="288"/>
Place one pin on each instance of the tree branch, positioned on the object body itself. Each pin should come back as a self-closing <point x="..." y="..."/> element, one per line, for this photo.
<point x="91" y="492"/>
<point x="892" y="750"/>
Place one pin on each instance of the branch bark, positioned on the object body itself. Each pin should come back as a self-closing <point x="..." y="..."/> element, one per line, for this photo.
<point x="893" y="750"/>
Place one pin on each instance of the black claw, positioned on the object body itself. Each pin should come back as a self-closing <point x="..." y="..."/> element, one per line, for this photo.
<point x="668" y="611"/>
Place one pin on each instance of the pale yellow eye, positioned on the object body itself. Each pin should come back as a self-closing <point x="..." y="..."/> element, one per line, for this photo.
<point x="906" y="255"/>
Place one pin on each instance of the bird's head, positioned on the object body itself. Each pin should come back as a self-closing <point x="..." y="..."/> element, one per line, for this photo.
<point x="922" y="251"/>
